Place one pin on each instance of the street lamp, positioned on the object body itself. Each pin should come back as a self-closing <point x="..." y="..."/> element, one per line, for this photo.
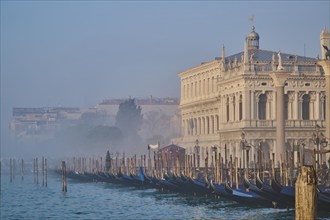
<point x="243" y="146"/>
<point x="319" y="139"/>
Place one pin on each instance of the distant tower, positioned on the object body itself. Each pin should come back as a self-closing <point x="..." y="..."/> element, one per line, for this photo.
<point x="253" y="40"/>
<point x="325" y="40"/>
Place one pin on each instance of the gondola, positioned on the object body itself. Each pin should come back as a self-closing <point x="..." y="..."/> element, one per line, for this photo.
<point x="253" y="188"/>
<point x="241" y="195"/>
<point x="273" y="195"/>
<point x="323" y="199"/>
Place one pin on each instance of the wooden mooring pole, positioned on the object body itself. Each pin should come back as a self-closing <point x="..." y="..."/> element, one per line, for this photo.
<point x="14" y="168"/>
<point x="22" y="169"/>
<point x="37" y="170"/>
<point x="11" y="169"/>
<point x="46" y="172"/>
<point x="34" y="170"/>
<point x="64" y="187"/>
<point x="306" y="197"/>
<point x="43" y="171"/>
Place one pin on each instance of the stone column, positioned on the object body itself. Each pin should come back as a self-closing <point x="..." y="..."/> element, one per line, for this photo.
<point x="198" y="127"/>
<point x="252" y="105"/>
<point x="237" y="107"/>
<point x="231" y="108"/>
<point x="211" y="124"/>
<point x="279" y="79"/>
<point x="203" y="126"/>
<point x="295" y="109"/>
<point x="317" y="107"/>
<point x="269" y="106"/>
<point x="326" y="68"/>
<point x="246" y="105"/>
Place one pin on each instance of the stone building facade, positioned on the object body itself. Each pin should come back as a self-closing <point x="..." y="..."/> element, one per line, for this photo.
<point x="228" y="96"/>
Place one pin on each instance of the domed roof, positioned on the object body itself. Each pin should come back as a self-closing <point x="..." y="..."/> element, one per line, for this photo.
<point x="253" y="35"/>
<point x="253" y="39"/>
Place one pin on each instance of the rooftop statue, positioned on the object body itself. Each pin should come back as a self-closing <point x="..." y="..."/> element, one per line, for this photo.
<point x="280" y="67"/>
<point x="327" y="53"/>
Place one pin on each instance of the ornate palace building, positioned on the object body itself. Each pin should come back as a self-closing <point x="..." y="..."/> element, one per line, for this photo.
<point x="228" y="96"/>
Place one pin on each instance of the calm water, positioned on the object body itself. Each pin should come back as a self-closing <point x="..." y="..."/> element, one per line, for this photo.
<point x="22" y="199"/>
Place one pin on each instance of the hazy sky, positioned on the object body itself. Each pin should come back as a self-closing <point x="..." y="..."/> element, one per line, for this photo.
<point x="77" y="53"/>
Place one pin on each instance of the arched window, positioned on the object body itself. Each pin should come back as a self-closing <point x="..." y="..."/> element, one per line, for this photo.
<point x="240" y="108"/>
<point x="234" y="108"/>
<point x="262" y="107"/>
<point x="207" y="125"/>
<point x="305" y="107"/>
<point x="286" y="103"/>
<point x="227" y="107"/>
<point x="324" y="107"/>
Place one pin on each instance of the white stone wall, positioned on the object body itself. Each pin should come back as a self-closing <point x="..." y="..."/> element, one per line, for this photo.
<point x="210" y="91"/>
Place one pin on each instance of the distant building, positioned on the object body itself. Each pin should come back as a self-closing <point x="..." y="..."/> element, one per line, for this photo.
<point x="40" y="121"/>
<point x="231" y="95"/>
<point x="161" y="117"/>
<point x="168" y="106"/>
<point x="173" y="157"/>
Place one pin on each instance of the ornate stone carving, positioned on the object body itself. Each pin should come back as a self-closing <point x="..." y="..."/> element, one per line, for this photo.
<point x="269" y="95"/>
<point x="235" y="62"/>
<point x="322" y="96"/>
<point x="280" y="67"/>
<point x="273" y="59"/>
<point x="229" y="64"/>
<point x="291" y="96"/>
<point x="251" y="58"/>
<point x="257" y="94"/>
<point x="294" y="83"/>
<point x="312" y="96"/>
<point x="300" y="95"/>
<point x="323" y="84"/>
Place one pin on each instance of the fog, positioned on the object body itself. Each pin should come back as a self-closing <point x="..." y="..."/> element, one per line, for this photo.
<point x="74" y="54"/>
<point x="91" y="135"/>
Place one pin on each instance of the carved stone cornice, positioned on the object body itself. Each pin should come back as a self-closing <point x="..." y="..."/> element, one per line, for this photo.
<point x="210" y="66"/>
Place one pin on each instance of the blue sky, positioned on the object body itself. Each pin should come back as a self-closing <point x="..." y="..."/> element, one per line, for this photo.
<point x="77" y="53"/>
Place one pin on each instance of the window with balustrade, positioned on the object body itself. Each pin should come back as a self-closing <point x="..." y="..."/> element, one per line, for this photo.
<point x="240" y="108"/>
<point x="234" y="108"/>
<point x="305" y="107"/>
<point x="286" y="103"/>
<point x="324" y="107"/>
<point x="262" y="106"/>
<point x="227" y="107"/>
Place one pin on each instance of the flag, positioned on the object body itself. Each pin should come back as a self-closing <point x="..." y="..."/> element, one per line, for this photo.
<point x="251" y="18"/>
